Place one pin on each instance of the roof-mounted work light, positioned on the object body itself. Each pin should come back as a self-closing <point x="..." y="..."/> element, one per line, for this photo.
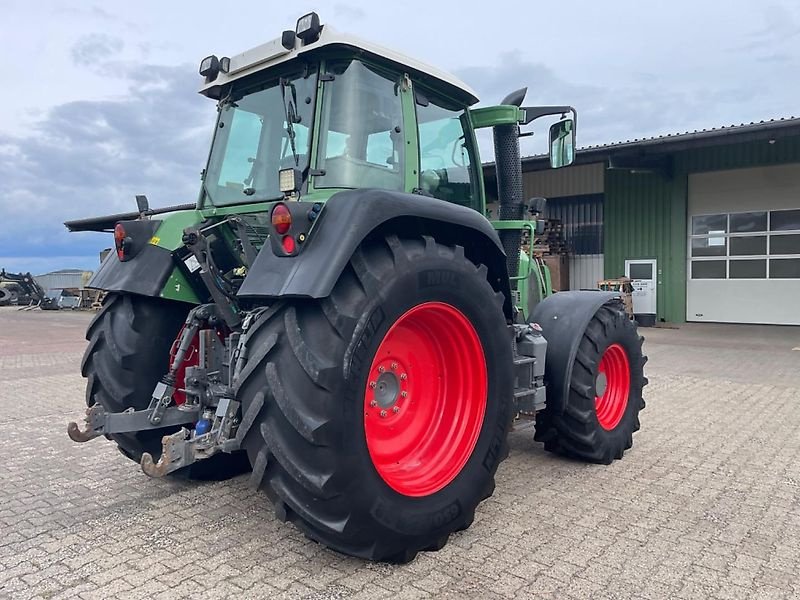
<point x="209" y="67"/>
<point x="308" y="27"/>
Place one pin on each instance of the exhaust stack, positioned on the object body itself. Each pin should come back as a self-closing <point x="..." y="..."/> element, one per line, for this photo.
<point x="508" y="168"/>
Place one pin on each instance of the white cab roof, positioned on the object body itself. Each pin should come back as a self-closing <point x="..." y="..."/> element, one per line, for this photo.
<point x="273" y="53"/>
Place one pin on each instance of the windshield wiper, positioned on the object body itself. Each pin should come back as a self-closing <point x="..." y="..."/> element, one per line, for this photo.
<point x="290" y="111"/>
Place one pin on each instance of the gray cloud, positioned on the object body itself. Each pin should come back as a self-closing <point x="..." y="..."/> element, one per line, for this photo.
<point x="89" y="158"/>
<point x="348" y="12"/>
<point x="89" y="12"/>
<point x="96" y="48"/>
<point x="645" y="106"/>
<point x="128" y="127"/>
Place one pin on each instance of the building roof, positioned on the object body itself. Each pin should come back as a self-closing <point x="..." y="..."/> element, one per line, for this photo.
<point x="273" y="53"/>
<point x="743" y="132"/>
<point x="712" y="132"/>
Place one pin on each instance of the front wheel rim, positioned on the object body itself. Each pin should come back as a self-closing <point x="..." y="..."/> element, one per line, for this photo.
<point x="425" y="399"/>
<point x="612" y="386"/>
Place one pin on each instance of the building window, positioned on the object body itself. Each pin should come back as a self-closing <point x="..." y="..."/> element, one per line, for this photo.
<point x="784" y="220"/>
<point x="709" y="246"/>
<point x="708" y="269"/>
<point x="748" y="269"/>
<point x="710" y="224"/>
<point x="748" y="222"/>
<point x="746" y="245"/>
<point x="784" y="268"/>
<point x="750" y="245"/>
<point x="784" y="244"/>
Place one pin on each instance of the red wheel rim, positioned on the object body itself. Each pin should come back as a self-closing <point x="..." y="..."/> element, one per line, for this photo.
<point x="612" y="386"/>
<point x="425" y="399"/>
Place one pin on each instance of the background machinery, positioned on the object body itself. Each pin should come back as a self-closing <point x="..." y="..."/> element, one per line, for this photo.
<point x="22" y="289"/>
<point x="337" y="314"/>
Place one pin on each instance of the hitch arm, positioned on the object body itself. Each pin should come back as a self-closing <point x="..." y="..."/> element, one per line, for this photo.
<point x="99" y="422"/>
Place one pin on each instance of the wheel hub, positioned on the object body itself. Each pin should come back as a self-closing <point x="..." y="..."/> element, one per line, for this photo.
<point x="387" y="390"/>
<point x="425" y="399"/>
<point x="600" y="384"/>
<point x="612" y="386"/>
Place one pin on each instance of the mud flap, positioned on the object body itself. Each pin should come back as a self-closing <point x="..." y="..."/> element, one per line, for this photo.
<point x="563" y="318"/>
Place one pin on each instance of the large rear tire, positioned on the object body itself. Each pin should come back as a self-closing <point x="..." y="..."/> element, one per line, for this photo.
<point x="378" y="416"/>
<point x="605" y="394"/>
<point x="129" y="346"/>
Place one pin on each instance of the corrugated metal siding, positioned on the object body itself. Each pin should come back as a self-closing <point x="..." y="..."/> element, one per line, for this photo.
<point x="585" y="270"/>
<point x="736" y="156"/>
<point x="582" y="219"/>
<point x="645" y="217"/>
<point x="645" y="213"/>
<point x="569" y="181"/>
<point x="60" y="281"/>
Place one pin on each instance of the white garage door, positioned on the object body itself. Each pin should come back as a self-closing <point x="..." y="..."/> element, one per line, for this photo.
<point x="744" y="246"/>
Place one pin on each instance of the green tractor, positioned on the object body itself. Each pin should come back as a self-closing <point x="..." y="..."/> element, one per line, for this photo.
<point x="337" y="315"/>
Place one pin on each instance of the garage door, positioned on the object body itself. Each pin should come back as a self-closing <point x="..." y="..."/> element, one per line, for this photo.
<point x="744" y="246"/>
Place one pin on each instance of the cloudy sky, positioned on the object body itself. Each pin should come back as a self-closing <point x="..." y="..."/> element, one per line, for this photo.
<point x="100" y="99"/>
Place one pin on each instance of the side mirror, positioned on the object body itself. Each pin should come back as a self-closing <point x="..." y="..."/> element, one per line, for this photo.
<point x="142" y="203"/>
<point x="536" y="205"/>
<point x="562" y="143"/>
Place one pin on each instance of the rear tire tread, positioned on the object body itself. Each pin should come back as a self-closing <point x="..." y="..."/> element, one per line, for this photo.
<point x="294" y="446"/>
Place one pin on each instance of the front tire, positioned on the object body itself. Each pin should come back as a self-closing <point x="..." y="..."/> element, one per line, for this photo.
<point x="325" y="376"/>
<point x="128" y="352"/>
<point x="605" y="394"/>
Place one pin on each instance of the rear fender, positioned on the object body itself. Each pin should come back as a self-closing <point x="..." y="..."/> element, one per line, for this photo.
<point x="563" y="318"/>
<point x="153" y="269"/>
<point x="350" y="217"/>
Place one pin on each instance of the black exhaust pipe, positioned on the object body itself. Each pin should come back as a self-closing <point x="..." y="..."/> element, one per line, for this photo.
<point x="508" y="168"/>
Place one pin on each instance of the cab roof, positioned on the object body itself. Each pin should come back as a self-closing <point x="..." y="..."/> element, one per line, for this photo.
<point x="273" y="53"/>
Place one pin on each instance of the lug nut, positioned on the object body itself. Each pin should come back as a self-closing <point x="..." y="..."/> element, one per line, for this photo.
<point x="404" y="394"/>
<point x="374" y="403"/>
<point x="403" y="376"/>
<point x="394" y="366"/>
<point x="381" y="369"/>
<point x="396" y="409"/>
<point x="372" y="384"/>
<point x="383" y="413"/>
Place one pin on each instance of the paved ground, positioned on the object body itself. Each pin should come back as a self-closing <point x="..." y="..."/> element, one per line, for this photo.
<point x="707" y="505"/>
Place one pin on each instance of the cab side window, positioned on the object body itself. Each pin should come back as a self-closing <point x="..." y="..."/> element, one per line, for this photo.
<point x="361" y="136"/>
<point x="445" y="167"/>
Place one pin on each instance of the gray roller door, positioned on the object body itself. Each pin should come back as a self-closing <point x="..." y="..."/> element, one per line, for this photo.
<point x="744" y="246"/>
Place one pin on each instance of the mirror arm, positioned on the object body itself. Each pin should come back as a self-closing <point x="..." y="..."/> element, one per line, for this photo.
<point x="534" y="112"/>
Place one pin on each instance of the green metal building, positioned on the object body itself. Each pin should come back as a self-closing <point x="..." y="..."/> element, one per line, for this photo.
<point x="709" y="220"/>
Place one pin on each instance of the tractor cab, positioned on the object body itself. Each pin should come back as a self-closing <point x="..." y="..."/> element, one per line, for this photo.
<point x="317" y="112"/>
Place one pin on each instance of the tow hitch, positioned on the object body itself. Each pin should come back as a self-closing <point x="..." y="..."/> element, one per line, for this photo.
<point x="210" y="416"/>
<point x="99" y="422"/>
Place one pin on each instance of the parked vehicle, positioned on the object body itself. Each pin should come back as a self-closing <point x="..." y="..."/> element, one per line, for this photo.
<point x="336" y="312"/>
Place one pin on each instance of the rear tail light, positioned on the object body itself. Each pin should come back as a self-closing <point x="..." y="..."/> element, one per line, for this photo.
<point x="288" y="244"/>
<point x="281" y="219"/>
<point x="121" y="240"/>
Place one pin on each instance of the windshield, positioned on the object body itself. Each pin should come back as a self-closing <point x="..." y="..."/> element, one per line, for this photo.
<point x="259" y="132"/>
